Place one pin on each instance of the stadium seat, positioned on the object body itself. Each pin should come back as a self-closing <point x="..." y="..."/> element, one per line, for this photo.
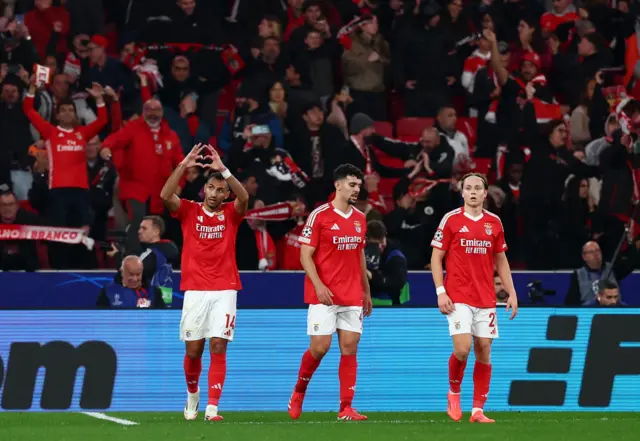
<point x="412" y="126"/>
<point x="469" y="126"/>
<point x="384" y="128"/>
<point x="408" y="138"/>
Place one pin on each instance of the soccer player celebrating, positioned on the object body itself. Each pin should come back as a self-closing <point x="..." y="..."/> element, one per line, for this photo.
<point x="209" y="272"/>
<point x="473" y="241"/>
<point x="335" y="287"/>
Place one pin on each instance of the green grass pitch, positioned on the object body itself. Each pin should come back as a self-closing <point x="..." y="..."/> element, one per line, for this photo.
<point x="312" y="426"/>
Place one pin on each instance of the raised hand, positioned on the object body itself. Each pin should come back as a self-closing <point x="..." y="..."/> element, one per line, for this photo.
<point x="108" y="91"/>
<point x="216" y="163"/>
<point x="96" y="92"/>
<point x="195" y="156"/>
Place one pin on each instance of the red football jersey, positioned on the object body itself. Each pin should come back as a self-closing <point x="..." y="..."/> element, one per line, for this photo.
<point x="66" y="148"/>
<point x="288" y="249"/>
<point x="209" y="249"/>
<point x="339" y="241"/>
<point x="550" y="20"/>
<point x="471" y="244"/>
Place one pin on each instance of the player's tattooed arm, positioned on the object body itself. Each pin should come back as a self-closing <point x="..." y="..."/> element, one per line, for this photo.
<point x="504" y="271"/>
<point x="367" y="303"/>
<point x="170" y="189"/>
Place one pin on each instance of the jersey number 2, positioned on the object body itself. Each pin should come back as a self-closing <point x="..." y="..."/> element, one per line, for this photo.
<point x="492" y="318"/>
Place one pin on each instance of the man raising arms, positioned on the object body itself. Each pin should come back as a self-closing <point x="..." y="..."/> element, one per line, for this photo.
<point x="473" y="241"/>
<point x="336" y="287"/>
<point x="210" y="276"/>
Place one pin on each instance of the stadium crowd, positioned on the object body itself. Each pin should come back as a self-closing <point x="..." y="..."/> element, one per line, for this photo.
<point x="535" y="94"/>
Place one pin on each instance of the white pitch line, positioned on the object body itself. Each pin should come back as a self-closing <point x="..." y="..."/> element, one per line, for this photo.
<point x="102" y="416"/>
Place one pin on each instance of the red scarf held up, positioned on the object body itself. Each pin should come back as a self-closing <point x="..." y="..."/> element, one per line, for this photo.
<point x="266" y="248"/>
<point x="545" y="112"/>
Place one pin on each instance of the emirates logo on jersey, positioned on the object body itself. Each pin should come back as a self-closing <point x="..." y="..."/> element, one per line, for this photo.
<point x="207" y="232"/>
<point x="347" y="243"/>
<point x="475" y="246"/>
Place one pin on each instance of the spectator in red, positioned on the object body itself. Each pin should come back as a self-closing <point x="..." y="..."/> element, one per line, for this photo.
<point x="43" y="21"/>
<point x="16" y="255"/>
<point x="148" y="151"/>
<point x="66" y="143"/>
<point x="561" y="12"/>
<point x="288" y="247"/>
<point x="529" y="40"/>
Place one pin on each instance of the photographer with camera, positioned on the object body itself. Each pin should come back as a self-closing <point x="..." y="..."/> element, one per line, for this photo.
<point x="157" y="255"/>
<point x="386" y="265"/>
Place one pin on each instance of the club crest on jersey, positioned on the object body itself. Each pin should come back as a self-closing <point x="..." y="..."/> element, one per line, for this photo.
<point x="169" y="145"/>
<point x="487" y="229"/>
<point x="358" y="226"/>
<point x="220" y="216"/>
<point x="306" y="232"/>
<point x="456" y="325"/>
<point x="316" y="327"/>
<point x="79" y="136"/>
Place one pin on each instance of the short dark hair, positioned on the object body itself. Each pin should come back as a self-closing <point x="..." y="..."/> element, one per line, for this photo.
<point x="376" y="230"/>
<point x="313" y="31"/>
<point x="607" y="284"/>
<point x="345" y="170"/>
<point x="66" y="102"/>
<point x="477" y="175"/>
<point x="157" y="222"/>
<point x="216" y="176"/>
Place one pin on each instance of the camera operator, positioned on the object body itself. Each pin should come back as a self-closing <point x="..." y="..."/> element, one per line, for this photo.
<point x="157" y="255"/>
<point x="386" y="265"/>
<point x="131" y="291"/>
<point x="583" y="286"/>
<point x="608" y="295"/>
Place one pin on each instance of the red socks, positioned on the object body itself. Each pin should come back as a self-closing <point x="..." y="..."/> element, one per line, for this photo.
<point x="192" y="370"/>
<point x="347" y="373"/>
<point x="217" y="373"/>
<point x="481" y="381"/>
<point x="307" y="367"/>
<point x="456" y="372"/>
